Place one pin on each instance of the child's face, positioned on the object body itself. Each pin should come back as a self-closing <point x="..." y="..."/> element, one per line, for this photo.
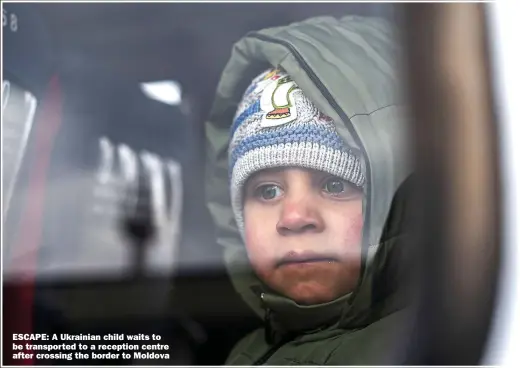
<point x="303" y="231"/>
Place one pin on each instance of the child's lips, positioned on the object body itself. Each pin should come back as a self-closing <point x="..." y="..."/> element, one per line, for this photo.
<point x="304" y="258"/>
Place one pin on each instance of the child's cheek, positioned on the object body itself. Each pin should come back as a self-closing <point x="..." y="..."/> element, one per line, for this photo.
<point x="256" y="245"/>
<point x="348" y="231"/>
<point x="355" y="230"/>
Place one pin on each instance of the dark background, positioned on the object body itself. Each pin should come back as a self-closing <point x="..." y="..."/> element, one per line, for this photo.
<point x="100" y="53"/>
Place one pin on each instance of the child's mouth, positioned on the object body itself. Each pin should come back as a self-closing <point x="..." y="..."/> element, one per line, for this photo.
<point x="305" y="258"/>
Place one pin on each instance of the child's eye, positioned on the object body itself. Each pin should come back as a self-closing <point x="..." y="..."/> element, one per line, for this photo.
<point x="339" y="188"/>
<point x="268" y="191"/>
<point x="334" y="186"/>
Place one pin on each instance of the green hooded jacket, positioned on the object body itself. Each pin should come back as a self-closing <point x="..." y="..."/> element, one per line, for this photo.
<point x="347" y="67"/>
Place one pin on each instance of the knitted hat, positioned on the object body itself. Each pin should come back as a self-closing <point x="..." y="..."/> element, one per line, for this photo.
<point x="276" y="125"/>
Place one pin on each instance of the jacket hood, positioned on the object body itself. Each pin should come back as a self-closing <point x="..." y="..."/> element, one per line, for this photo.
<point x="347" y="67"/>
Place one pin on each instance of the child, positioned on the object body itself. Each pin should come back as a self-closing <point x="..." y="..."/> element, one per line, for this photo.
<point x="313" y="156"/>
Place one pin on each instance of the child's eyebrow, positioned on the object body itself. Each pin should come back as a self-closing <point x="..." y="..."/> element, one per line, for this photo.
<point x="267" y="173"/>
<point x="259" y="178"/>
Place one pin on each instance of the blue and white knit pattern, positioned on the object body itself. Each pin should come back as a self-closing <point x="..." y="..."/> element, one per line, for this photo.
<point x="310" y="141"/>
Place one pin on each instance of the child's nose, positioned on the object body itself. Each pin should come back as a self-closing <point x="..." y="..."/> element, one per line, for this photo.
<point x="299" y="216"/>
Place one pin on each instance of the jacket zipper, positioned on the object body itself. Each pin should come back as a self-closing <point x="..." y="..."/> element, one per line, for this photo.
<point x="269" y="353"/>
<point x="338" y="110"/>
<point x="275" y="347"/>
